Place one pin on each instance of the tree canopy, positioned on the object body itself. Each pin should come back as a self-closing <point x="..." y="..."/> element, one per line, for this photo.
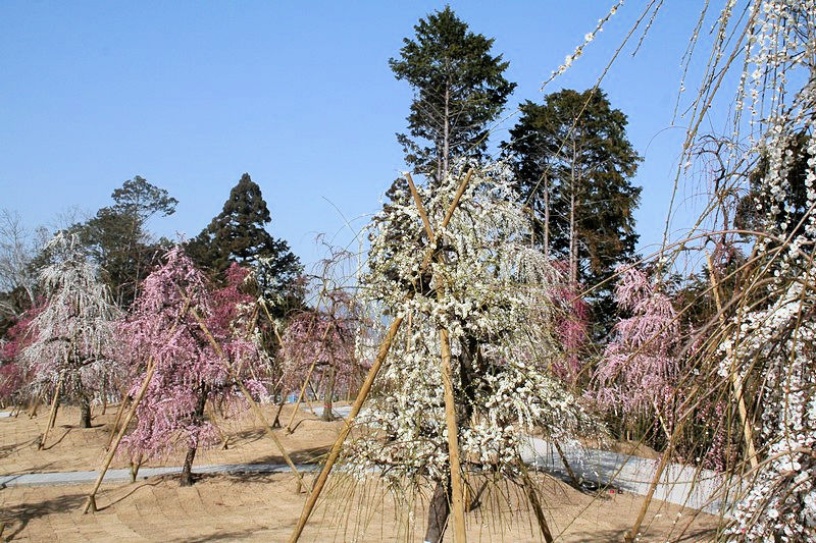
<point x="238" y="234"/>
<point x="573" y="166"/>
<point x="73" y="349"/>
<point x="459" y="89"/>
<point x="118" y="238"/>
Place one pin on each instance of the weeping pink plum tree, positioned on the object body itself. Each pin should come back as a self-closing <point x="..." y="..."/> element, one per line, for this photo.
<point x="638" y="372"/>
<point x="13" y="374"/>
<point x="573" y="329"/>
<point x="72" y="352"/>
<point x="319" y="346"/>
<point x="235" y="325"/>
<point x="165" y="329"/>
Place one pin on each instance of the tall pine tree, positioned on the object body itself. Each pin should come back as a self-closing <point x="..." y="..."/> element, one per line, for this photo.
<point x="459" y="89"/>
<point x="118" y="240"/>
<point x="574" y="164"/>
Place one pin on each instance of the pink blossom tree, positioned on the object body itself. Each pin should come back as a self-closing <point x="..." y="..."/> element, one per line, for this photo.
<point x="13" y="375"/>
<point x="173" y="330"/>
<point x="319" y="345"/>
<point x="573" y="328"/>
<point x="638" y="372"/>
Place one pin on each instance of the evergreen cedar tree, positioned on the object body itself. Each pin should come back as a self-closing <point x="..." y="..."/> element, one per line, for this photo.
<point x="238" y="235"/>
<point x="458" y="88"/>
<point x="573" y="165"/>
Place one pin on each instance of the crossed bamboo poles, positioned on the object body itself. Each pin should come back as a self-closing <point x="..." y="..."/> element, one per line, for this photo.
<point x="457" y="486"/>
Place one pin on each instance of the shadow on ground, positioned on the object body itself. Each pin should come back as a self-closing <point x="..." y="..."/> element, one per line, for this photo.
<point x="17" y="517"/>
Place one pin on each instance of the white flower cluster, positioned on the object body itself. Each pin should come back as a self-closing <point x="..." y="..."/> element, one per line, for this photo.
<point x="489" y="289"/>
<point x="781" y="502"/>
<point x="75" y="336"/>
<point x="588" y="38"/>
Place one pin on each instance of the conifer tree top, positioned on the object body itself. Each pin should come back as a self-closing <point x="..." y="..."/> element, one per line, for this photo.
<point x="459" y="88"/>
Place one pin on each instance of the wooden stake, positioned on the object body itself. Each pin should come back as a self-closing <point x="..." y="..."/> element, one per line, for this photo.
<point x="52" y="415"/>
<point x="535" y="503"/>
<point x="457" y="488"/>
<point x="632" y="534"/>
<point x="253" y="404"/>
<point x="736" y="382"/>
<point x="306" y="381"/>
<point x="458" y="498"/>
<point x="421" y="208"/>
<point x="334" y="454"/>
<point x="118" y="419"/>
<point x="90" y="504"/>
<point x="563" y="456"/>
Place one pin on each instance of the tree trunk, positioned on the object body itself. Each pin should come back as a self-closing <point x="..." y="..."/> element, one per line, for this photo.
<point x="198" y="417"/>
<point x="281" y="402"/>
<point x="84" y="412"/>
<point x="328" y="393"/>
<point x="547" y="216"/>
<point x="446" y="136"/>
<point x="438" y="512"/>
<point x="573" y="235"/>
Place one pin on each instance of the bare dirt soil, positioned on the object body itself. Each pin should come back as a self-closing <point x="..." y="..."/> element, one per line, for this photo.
<point x="265" y="507"/>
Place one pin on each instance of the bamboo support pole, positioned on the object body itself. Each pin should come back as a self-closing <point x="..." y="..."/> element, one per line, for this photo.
<point x="420" y="207"/>
<point x="632" y="535"/>
<point x="118" y="419"/>
<point x="736" y="382"/>
<point x="253" y="404"/>
<point x="458" y="498"/>
<point x="563" y="456"/>
<point x="306" y="381"/>
<point x="52" y="414"/>
<point x="90" y="504"/>
<point x="535" y="502"/>
<point x="457" y="487"/>
<point x="300" y="397"/>
<point x="334" y="454"/>
<point x="385" y="346"/>
<point x="34" y="405"/>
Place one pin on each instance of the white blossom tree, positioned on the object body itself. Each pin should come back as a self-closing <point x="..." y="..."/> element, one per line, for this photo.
<point x="762" y="340"/>
<point x="770" y="340"/>
<point x="73" y="353"/>
<point x="492" y="293"/>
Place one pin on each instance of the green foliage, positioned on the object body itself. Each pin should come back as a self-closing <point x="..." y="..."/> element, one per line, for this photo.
<point x="118" y="240"/>
<point x="458" y="90"/>
<point x="573" y="166"/>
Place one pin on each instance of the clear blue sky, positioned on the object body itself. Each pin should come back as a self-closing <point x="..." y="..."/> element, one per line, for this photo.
<point x="190" y="95"/>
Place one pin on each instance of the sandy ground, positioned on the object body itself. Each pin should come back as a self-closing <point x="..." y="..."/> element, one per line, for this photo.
<point x="255" y="507"/>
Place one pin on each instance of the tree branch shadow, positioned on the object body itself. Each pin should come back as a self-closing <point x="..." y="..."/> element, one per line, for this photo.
<point x="17" y="517"/>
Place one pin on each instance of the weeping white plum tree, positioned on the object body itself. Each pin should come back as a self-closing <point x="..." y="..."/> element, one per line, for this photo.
<point x="72" y="355"/>
<point x="492" y="292"/>
<point x="764" y="339"/>
<point x="770" y="341"/>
